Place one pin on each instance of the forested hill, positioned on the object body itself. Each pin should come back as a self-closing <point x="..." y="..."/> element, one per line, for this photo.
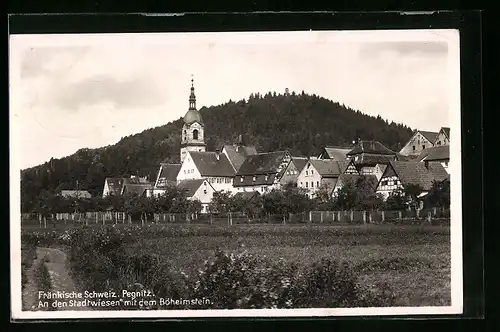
<point x="301" y="123"/>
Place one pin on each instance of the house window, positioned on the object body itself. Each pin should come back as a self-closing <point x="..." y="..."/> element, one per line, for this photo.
<point x="307" y="184"/>
<point x="307" y="173"/>
<point x="195" y="134"/>
<point x="423" y="147"/>
<point x="312" y="184"/>
<point x="413" y="148"/>
<point x="312" y="172"/>
<point x="317" y="183"/>
<point x="205" y="191"/>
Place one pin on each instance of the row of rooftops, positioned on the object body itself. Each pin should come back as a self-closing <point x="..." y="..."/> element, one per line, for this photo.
<point x="253" y="168"/>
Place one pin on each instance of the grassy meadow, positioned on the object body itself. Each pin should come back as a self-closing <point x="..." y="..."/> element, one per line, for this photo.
<point x="398" y="265"/>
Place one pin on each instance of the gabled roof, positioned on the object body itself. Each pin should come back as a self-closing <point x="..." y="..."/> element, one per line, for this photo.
<point x="375" y="159"/>
<point x="135" y="180"/>
<point x="191" y="186"/>
<point x="169" y="172"/>
<point x="446" y="131"/>
<point x="429" y="135"/>
<point x="382" y="167"/>
<point x="372" y="147"/>
<point x="208" y="164"/>
<point x="115" y="185"/>
<point x="329" y="167"/>
<point x="75" y="193"/>
<point x="262" y="163"/>
<point x="336" y="152"/>
<point x="416" y="173"/>
<point x="238" y="153"/>
<point x="299" y="162"/>
<point x="138" y="189"/>
<point x="440" y="152"/>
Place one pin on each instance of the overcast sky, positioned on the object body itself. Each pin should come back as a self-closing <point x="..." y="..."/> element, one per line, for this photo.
<point x="86" y="91"/>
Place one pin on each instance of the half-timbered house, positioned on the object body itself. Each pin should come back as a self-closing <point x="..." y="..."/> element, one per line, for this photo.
<point x="399" y="174"/>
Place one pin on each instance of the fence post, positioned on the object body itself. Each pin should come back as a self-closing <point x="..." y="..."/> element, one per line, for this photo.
<point x="364" y="217"/>
<point x="129" y="219"/>
<point x="400" y="215"/>
<point x="352" y="215"/>
<point x="211" y="220"/>
<point x="383" y="216"/>
<point x="284" y="219"/>
<point x="290" y="217"/>
<point x="429" y="218"/>
<point x="44" y="222"/>
<point x="40" y="219"/>
<point x="434" y="210"/>
<point x="370" y="218"/>
<point x="321" y="217"/>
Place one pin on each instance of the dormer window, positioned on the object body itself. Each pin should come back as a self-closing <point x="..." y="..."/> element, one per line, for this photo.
<point x="266" y="177"/>
<point x="241" y="179"/>
<point x="254" y="178"/>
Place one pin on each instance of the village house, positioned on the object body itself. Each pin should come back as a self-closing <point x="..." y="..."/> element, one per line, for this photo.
<point x="262" y="172"/>
<point x="212" y="166"/>
<point x="335" y="153"/>
<point x="292" y="170"/>
<point x="167" y="176"/>
<point x="367" y="154"/>
<point x="198" y="189"/>
<point x="443" y="137"/>
<point x="322" y="173"/>
<point x="116" y="186"/>
<point x="399" y="174"/>
<point x="420" y="141"/>
<point x="237" y="153"/>
<point x="438" y="153"/>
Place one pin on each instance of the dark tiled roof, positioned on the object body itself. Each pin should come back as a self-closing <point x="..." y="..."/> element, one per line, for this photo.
<point x="115" y="185"/>
<point x="410" y="172"/>
<point x="299" y="162"/>
<point x="138" y="189"/>
<point x="375" y="159"/>
<point x="238" y="153"/>
<point x="262" y="163"/>
<point x="337" y="153"/>
<point x="208" y="164"/>
<point x="191" y="186"/>
<point x="75" y="193"/>
<point x="248" y="180"/>
<point x="429" y="135"/>
<point x="374" y="147"/>
<point x="169" y="172"/>
<point x="446" y="131"/>
<point x="440" y="152"/>
<point x="329" y="167"/>
<point x="135" y="180"/>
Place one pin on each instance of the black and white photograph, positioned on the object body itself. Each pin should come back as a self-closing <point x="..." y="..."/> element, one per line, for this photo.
<point x="235" y="174"/>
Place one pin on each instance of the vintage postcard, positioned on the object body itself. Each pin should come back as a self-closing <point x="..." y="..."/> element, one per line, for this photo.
<point x="235" y="174"/>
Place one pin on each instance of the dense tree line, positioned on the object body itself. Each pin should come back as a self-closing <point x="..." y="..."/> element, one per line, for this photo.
<point x="289" y="199"/>
<point x="301" y="123"/>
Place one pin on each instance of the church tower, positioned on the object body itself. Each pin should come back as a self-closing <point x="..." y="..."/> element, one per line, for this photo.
<point x="192" y="138"/>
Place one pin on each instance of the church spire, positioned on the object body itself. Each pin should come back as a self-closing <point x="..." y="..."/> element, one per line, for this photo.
<point x="192" y="97"/>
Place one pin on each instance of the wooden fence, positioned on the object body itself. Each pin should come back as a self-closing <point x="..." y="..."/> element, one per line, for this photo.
<point x="235" y="218"/>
